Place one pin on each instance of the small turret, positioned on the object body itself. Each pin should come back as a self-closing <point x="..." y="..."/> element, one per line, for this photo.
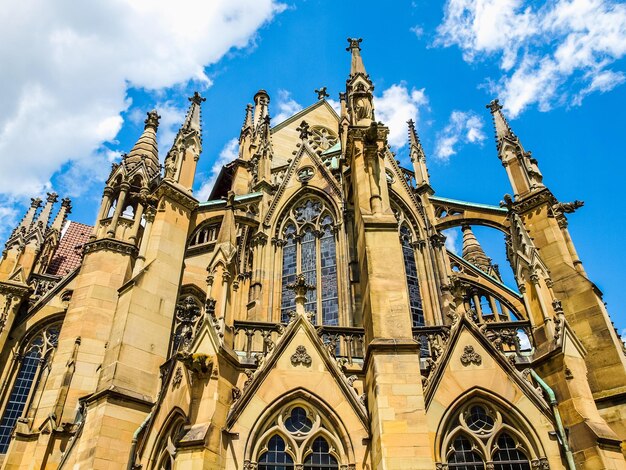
<point x="359" y="88"/>
<point x="473" y="252"/>
<point x="261" y="107"/>
<point x="146" y="148"/>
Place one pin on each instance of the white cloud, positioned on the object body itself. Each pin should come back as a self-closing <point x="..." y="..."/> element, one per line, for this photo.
<point x="462" y="128"/>
<point x="64" y="88"/>
<point x="229" y="153"/>
<point x="452" y="240"/>
<point x="417" y="30"/>
<point x="286" y="106"/>
<point x="395" y="107"/>
<point x="552" y="54"/>
<point x="336" y="105"/>
<point x="8" y="217"/>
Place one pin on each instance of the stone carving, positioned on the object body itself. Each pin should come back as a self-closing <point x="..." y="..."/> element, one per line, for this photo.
<point x="249" y="376"/>
<point x="470" y="356"/>
<point x="199" y="364"/>
<point x="236" y="392"/>
<point x="301" y="356"/>
<point x="304" y="130"/>
<point x="305" y="174"/>
<point x="567" y="207"/>
<point x="321" y="93"/>
<point x="177" y="379"/>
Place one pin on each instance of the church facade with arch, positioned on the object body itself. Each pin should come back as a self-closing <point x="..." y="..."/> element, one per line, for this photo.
<point x="307" y="316"/>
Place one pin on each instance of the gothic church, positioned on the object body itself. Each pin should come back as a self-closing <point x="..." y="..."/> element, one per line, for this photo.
<point x="307" y="316"/>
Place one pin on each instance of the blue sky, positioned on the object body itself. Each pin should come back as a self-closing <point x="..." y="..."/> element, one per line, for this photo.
<point x="75" y="87"/>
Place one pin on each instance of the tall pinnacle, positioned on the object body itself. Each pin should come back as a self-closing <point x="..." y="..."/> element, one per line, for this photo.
<point x="146" y="146"/>
<point x="473" y="252"/>
<point x="192" y="120"/>
<point x="418" y="157"/>
<point x="356" y="65"/>
<point x="501" y="124"/>
<point x="44" y="215"/>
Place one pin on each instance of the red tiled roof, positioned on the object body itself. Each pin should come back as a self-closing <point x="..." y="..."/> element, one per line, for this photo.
<point x="69" y="253"/>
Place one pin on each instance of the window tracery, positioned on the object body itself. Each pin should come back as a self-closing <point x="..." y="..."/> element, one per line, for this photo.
<point x="166" y="449"/>
<point x="323" y="137"/>
<point x="298" y="437"/>
<point x="309" y="247"/>
<point x="482" y="437"/>
<point x="29" y="366"/>
<point x="407" y="240"/>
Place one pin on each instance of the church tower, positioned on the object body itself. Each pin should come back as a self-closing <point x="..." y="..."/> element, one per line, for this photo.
<point x="307" y="315"/>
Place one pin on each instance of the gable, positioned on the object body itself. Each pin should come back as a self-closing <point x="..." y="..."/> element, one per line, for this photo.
<point x="285" y="135"/>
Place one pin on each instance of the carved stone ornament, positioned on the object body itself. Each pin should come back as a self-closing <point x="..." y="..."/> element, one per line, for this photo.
<point x="305" y="174"/>
<point x="470" y="356"/>
<point x="199" y="364"/>
<point x="177" y="379"/>
<point x="301" y="357"/>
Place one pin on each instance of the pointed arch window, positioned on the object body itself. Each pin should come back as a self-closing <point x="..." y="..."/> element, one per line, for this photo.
<point x="481" y="436"/>
<point x="309" y="247"/>
<point x="29" y="366"/>
<point x="298" y="436"/>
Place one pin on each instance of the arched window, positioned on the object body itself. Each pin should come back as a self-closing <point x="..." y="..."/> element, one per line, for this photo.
<point x="309" y="247"/>
<point x="412" y="281"/>
<point x="298" y="436"/>
<point x="165" y="453"/>
<point x="408" y="241"/>
<point x="481" y="436"/>
<point x="275" y="457"/>
<point x="29" y="363"/>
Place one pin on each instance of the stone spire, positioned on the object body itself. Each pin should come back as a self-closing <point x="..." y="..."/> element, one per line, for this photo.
<point x="261" y="107"/>
<point x="473" y="252"/>
<point x="521" y="167"/>
<point x="64" y="211"/>
<point x="44" y="215"/>
<point x="418" y="157"/>
<point x="356" y="65"/>
<point x="193" y="118"/>
<point x="146" y="147"/>
<point x="35" y="204"/>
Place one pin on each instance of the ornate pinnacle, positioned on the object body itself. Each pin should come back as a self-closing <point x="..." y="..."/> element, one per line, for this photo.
<point x="300" y="286"/>
<point x="354" y="44"/>
<point x="304" y="130"/>
<point x="35" y="202"/>
<point x="196" y="98"/>
<point x="153" y="119"/>
<point x="52" y="197"/>
<point x="321" y="93"/>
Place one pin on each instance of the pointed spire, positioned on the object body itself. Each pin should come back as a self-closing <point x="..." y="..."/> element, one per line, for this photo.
<point x="356" y="65"/>
<point x="247" y="122"/>
<point x="64" y="211"/>
<point x="192" y="120"/>
<point x="418" y="157"/>
<point x="44" y="215"/>
<point x="473" y="252"/>
<point x="146" y="146"/>
<point x="501" y="124"/>
<point x="261" y="107"/>
<point x="35" y="204"/>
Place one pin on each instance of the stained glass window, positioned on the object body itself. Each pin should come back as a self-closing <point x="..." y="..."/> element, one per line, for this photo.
<point x="288" y="302"/>
<point x="320" y="457"/>
<point x="310" y="249"/>
<point x="508" y="456"/>
<point x="275" y="458"/>
<point x="410" y="270"/>
<point x="463" y="456"/>
<point x="309" y="268"/>
<point x="330" y="304"/>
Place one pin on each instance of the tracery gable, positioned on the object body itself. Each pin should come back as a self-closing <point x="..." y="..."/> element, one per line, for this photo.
<point x="306" y="354"/>
<point x="317" y="164"/>
<point x="472" y="358"/>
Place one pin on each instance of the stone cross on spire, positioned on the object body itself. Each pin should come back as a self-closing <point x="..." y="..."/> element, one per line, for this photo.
<point x="321" y="93"/>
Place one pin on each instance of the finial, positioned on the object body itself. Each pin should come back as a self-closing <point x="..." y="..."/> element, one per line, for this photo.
<point x="321" y="93"/>
<point x="153" y="119"/>
<point x="35" y="202"/>
<point x="52" y="197"/>
<point x="196" y="98"/>
<point x="304" y="130"/>
<point x="411" y="124"/>
<point x="354" y="44"/>
<point x="494" y="106"/>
